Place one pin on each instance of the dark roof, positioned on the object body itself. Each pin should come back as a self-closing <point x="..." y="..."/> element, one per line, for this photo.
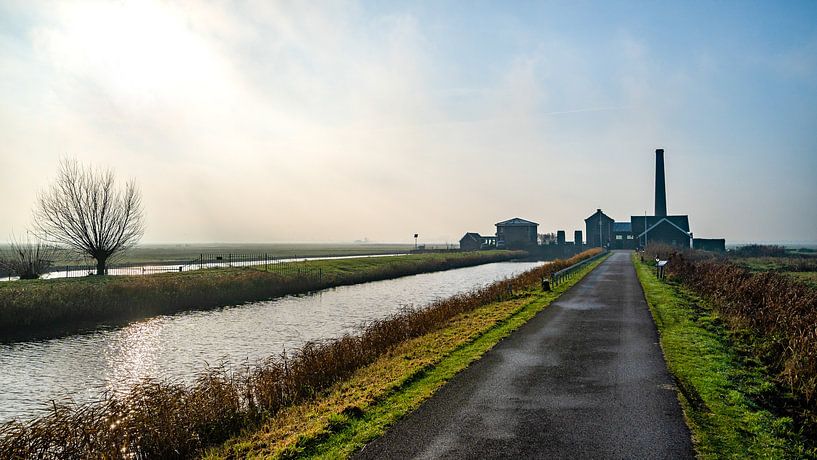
<point x="516" y="222"/>
<point x="598" y="212"/>
<point x="471" y="236"/>
<point x="622" y="227"/>
<point x="681" y="221"/>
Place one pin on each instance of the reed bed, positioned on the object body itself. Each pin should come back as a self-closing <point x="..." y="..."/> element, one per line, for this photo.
<point x="778" y="312"/>
<point x="162" y="419"/>
<point x="52" y="307"/>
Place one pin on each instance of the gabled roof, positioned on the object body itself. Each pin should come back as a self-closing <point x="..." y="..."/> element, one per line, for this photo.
<point x="638" y="222"/>
<point x="471" y="235"/>
<point x="597" y="213"/>
<point x="516" y="222"/>
<point x="666" y="219"/>
<point x="622" y="227"/>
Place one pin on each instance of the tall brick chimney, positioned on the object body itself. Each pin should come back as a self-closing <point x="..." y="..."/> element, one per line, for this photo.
<point x="660" y="184"/>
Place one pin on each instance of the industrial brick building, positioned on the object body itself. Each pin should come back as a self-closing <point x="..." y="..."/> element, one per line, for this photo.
<point x="661" y="227"/>
<point x="601" y="230"/>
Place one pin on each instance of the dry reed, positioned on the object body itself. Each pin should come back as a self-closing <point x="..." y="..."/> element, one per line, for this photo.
<point x="160" y="419"/>
<point x="780" y="313"/>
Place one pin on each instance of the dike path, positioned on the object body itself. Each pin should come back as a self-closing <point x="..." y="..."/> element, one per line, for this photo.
<point x="585" y="378"/>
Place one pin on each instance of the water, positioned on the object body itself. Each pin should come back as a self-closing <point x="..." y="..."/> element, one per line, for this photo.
<point x="188" y="266"/>
<point x="177" y="346"/>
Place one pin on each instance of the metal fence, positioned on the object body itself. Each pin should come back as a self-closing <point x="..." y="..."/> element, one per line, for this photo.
<point x="567" y="273"/>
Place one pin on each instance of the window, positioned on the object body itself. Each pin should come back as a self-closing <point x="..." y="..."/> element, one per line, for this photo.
<point x="629" y="237"/>
<point x="618" y="237"/>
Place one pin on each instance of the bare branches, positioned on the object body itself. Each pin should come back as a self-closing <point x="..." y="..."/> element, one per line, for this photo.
<point x="26" y="259"/>
<point x="84" y="211"/>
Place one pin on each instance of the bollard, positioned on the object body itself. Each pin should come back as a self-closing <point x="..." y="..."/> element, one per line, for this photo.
<point x="545" y="284"/>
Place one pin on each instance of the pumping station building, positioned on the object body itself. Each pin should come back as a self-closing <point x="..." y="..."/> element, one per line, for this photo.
<point x="602" y="230"/>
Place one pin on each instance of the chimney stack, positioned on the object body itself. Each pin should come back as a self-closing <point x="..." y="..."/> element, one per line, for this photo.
<point x="660" y="184"/>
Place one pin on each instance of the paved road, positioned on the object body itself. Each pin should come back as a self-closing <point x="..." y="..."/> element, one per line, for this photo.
<point x="583" y="379"/>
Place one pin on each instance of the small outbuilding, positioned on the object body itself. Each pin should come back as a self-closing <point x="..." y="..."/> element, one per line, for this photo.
<point x="709" y="244"/>
<point x="474" y="242"/>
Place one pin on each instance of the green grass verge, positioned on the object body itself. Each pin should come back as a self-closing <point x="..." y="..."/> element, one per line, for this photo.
<point x="346" y="417"/>
<point x="718" y="386"/>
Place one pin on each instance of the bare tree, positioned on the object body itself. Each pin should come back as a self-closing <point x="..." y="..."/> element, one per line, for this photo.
<point x="26" y="259"/>
<point x="85" y="212"/>
<point x="546" y="238"/>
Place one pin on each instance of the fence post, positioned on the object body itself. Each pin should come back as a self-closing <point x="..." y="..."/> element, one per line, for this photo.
<point x="230" y="257"/>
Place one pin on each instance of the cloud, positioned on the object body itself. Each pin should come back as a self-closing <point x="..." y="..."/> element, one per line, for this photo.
<point x="260" y="121"/>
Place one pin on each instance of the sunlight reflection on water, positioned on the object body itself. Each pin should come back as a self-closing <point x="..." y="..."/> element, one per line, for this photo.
<point x="83" y="366"/>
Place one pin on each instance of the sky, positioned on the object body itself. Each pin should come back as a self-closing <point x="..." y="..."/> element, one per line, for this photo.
<point x="263" y="121"/>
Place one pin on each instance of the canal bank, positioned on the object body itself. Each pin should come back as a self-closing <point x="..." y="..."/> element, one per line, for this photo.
<point x="584" y="379"/>
<point x="351" y="413"/>
<point x="169" y="418"/>
<point x="51" y="308"/>
<point x="179" y="346"/>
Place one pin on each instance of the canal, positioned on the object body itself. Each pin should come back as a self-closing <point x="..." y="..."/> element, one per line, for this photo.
<point x="81" y="367"/>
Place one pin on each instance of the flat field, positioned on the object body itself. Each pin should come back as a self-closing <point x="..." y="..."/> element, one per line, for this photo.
<point x="175" y="253"/>
<point x="802" y="267"/>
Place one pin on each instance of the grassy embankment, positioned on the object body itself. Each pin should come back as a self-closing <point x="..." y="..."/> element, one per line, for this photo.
<point x="334" y="395"/>
<point x="346" y="416"/>
<point x="731" y="400"/>
<point x="45" y="307"/>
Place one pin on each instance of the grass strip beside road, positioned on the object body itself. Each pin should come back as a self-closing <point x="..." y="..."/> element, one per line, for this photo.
<point x="41" y="308"/>
<point x="719" y="388"/>
<point x="357" y="410"/>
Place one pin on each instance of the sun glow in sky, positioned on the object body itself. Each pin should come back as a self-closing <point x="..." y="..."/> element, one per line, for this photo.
<point x="334" y="121"/>
<point x="138" y="49"/>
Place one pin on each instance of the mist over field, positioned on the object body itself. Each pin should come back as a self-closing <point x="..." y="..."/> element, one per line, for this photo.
<point x="339" y="121"/>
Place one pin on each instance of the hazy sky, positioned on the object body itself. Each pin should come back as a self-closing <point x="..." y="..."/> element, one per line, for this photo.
<point x="266" y="121"/>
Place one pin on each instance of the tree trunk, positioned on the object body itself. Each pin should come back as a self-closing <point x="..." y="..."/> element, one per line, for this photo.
<point x="100" y="265"/>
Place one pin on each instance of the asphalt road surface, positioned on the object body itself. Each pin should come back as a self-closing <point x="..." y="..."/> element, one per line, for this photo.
<point x="583" y="379"/>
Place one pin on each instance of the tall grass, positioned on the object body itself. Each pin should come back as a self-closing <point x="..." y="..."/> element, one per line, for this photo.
<point x="781" y="313"/>
<point x="49" y="307"/>
<point x="160" y="419"/>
